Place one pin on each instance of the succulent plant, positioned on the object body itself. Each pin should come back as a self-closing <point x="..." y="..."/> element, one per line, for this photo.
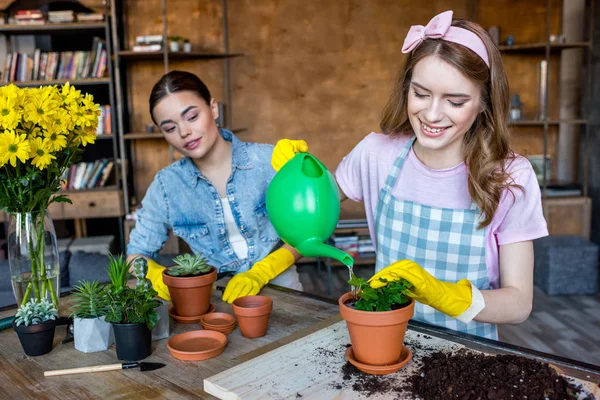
<point x="189" y="265"/>
<point x="35" y="312"/>
<point x="89" y="300"/>
<point x="140" y="268"/>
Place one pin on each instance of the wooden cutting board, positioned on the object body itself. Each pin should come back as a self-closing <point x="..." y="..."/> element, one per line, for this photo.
<point x="311" y="368"/>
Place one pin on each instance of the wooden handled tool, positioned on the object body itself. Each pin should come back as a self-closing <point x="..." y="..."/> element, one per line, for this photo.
<point x="144" y="366"/>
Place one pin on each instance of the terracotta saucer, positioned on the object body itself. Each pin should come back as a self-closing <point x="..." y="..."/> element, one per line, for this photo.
<point x="218" y="319"/>
<point x="197" y="345"/>
<point x="189" y="320"/>
<point x="405" y="357"/>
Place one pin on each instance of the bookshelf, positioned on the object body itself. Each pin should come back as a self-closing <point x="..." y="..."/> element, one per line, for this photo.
<point x="557" y="119"/>
<point x="81" y="53"/>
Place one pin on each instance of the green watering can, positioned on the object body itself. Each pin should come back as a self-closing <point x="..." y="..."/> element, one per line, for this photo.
<point x="303" y="205"/>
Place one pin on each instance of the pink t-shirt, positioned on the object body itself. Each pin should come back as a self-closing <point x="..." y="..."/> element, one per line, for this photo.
<point x="362" y="174"/>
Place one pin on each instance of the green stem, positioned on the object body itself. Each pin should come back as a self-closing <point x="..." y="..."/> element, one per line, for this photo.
<point x="27" y="293"/>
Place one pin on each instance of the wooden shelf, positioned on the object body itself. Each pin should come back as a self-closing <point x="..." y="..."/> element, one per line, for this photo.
<point x="98" y="189"/>
<point x="104" y="137"/>
<point x="551" y="122"/>
<point x="75" y="82"/>
<point x="174" y="55"/>
<point x="155" y="136"/>
<point x="14" y="29"/>
<point x="541" y="47"/>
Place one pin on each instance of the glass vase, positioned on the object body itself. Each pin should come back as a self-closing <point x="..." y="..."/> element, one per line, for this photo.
<point x="33" y="257"/>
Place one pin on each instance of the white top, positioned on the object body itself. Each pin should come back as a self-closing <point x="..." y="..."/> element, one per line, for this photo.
<point x="240" y="247"/>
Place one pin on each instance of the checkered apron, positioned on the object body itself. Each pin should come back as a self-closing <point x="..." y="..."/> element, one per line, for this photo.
<point x="444" y="241"/>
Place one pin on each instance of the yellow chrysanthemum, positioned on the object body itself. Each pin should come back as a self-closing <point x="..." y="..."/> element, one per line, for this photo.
<point x="30" y="129"/>
<point x="61" y="122"/>
<point x="55" y="141"/>
<point x="70" y="94"/>
<point x="13" y="146"/>
<point x="85" y="136"/>
<point x="10" y="107"/>
<point x="40" y="107"/>
<point x="40" y="153"/>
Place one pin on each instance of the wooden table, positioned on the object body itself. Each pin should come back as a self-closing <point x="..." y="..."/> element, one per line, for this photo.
<point x="295" y="316"/>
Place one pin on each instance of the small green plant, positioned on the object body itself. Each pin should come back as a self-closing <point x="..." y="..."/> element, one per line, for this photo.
<point x="189" y="265"/>
<point x="35" y="312"/>
<point x="89" y="300"/>
<point x="118" y="271"/>
<point x="395" y="293"/>
<point x="127" y="305"/>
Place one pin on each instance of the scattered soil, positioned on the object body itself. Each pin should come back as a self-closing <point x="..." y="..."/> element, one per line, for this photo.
<point x="466" y="375"/>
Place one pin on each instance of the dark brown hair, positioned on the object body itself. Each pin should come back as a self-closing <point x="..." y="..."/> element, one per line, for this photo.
<point x="486" y="144"/>
<point x="177" y="81"/>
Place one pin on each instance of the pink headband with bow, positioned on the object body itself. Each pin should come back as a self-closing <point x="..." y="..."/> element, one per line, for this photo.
<point x="440" y="28"/>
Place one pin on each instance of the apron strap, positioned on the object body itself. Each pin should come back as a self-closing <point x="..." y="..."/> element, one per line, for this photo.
<point x="393" y="175"/>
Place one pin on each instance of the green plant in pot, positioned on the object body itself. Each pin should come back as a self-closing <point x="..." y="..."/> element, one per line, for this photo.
<point x="35" y="323"/>
<point x="381" y="313"/>
<point x="91" y="331"/>
<point x="132" y="311"/>
<point x="190" y="284"/>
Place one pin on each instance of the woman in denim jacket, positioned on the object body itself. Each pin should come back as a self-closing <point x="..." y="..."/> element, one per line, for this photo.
<point x="213" y="198"/>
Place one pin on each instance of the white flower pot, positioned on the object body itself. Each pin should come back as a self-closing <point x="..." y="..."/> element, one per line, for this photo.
<point x="161" y="329"/>
<point x="174" y="46"/>
<point x="92" y="334"/>
<point x="187" y="47"/>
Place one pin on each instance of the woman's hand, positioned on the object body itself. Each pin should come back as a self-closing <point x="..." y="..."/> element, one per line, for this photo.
<point x="453" y="299"/>
<point x="285" y="150"/>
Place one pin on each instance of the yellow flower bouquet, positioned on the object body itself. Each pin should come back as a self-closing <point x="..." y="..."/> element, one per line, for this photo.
<point x="42" y="132"/>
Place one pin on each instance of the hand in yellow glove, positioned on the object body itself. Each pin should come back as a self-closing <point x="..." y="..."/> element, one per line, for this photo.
<point x="453" y="299"/>
<point x="286" y="149"/>
<point x="156" y="277"/>
<point x="251" y="282"/>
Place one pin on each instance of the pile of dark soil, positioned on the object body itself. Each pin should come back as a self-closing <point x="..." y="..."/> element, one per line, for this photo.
<point x="466" y="375"/>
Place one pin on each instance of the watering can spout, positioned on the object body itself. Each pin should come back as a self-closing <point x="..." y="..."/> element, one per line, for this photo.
<point x="315" y="248"/>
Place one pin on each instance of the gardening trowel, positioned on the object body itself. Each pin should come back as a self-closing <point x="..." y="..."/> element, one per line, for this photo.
<point x="144" y="366"/>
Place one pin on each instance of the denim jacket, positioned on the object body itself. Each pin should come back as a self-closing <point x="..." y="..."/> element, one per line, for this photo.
<point x="182" y="200"/>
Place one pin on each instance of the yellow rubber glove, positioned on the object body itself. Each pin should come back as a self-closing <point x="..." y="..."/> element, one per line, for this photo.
<point x="286" y="149"/>
<point x="251" y="282"/>
<point x="449" y="298"/>
<point x="155" y="275"/>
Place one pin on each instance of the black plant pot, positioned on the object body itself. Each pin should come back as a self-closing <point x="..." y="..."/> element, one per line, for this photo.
<point x="133" y="341"/>
<point x="36" y="340"/>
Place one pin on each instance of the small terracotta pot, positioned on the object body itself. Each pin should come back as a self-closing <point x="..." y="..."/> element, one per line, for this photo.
<point x="377" y="336"/>
<point x="252" y="314"/>
<point x="190" y="295"/>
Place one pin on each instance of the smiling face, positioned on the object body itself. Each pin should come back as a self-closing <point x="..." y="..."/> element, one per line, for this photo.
<point x="188" y="123"/>
<point x="442" y="106"/>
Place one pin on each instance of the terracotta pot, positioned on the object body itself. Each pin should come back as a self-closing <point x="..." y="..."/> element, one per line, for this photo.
<point x="252" y="314"/>
<point x="190" y="295"/>
<point x="377" y="336"/>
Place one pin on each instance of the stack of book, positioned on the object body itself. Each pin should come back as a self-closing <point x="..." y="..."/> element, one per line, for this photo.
<point x="365" y="247"/>
<point x="349" y="244"/>
<point x="42" y="66"/>
<point x="59" y="17"/>
<point x="148" y="43"/>
<point x="90" y="17"/>
<point x="29" y="17"/>
<point x="87" y="175"/>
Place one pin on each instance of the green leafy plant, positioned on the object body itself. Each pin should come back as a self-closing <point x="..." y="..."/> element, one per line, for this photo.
<point x="89" y="300"/>
<point x="385" y="298"/>
<point x="35" y="312"/>
<point x="127" y="305"/>
<point x="189" y="265"/>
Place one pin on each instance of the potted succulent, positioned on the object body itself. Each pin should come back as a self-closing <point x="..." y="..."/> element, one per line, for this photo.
<point x="35" y="323"/>
<point x="132" y="311"/>
<point x="190" y="284"/>
<point x="381" y="313"/>
<point x="90" y="329"/>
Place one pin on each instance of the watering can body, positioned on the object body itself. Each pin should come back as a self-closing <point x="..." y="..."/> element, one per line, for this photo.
<point x="303" y="205"/>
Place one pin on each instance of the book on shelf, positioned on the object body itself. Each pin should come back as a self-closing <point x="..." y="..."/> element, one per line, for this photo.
<point x="104" y="121"/>
<point x="28" y="17"/>
<point x="46" y="66"/>
<point x="87" y="175"/>
<point x="90" y="17"/>
<point x="57" y="17"/>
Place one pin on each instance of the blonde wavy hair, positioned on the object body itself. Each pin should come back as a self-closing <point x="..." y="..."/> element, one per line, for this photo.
<point x="486" y="144"/>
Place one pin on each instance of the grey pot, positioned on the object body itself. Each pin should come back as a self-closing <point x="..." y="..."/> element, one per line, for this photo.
<point x="92" y="334"/>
